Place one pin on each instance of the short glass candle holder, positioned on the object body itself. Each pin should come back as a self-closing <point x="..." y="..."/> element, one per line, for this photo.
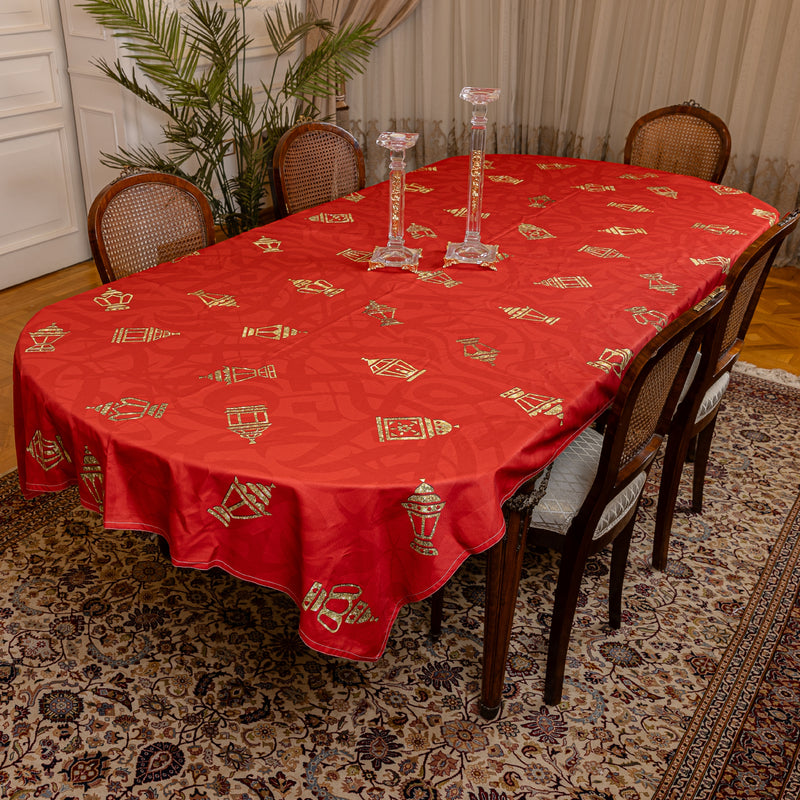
<point x="395" y="253"/>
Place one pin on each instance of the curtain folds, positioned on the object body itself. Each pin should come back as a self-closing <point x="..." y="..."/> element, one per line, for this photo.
<point x="575" y="75"/>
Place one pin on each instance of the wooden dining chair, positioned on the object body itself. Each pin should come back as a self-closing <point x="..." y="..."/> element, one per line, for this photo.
<point x="692" y="427"/>
<point x="146" y="218"/>
<point x="684" y="138"/>
<point x="596" y="483"/>
<point x="313" y="163"/>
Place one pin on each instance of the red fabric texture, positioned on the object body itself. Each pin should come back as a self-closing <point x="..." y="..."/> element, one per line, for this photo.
<point x="393" y="399"/>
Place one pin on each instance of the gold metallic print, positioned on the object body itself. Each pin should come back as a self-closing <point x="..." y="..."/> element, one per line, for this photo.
<point x="395" y="429"/>
<point x="475" y="349"/>
<point x="462" y="212"/>
<point x="359" y="256"/>
<point x="535" y="404"/>
<point x="723" y="262"/>
<point x="275" y="332"/>
<point x="528" y="313"/>
<point x="249" y="422"/>
<point x="504" y="179"/>
<point x="354" y="197"/>
<point x="617" y="230"/>
<point x="243" y="501"/>
<point x="393" y="368"/>
<point x="659" y="284"/>
<point x="663" y="191"/>
<point x="114" y="300"/>
<point x="771" y="216"/>
<point x="613" y="360"/>
<point x="601" y="252"/>
<point x="718" y="228"/>
<point x="384" y="313"/>
<point x="726" y="190"/>
<point x="267" y="245"/>
<point x="45" y="338"/>
<point x="418" y="187"/>
<point x="419" y="231"/>
<point x="540" y="201"/>
<point x="212" y="300"/>
<point x="424" y="508"/>
<point x="566" y="282"/>
<point x="595" y="187"/>
<point x="332" y="219"/>
<point x="129" y="409"/>
<point x="645" y="316"/>
<point x="632" y="207"/>
<point x="555" y="165"/>
<point x="92" y="477"/>
<point x="229" y="375"/>
<point x="438" y="276"/>
<point x="533" y="232"/>
<point x="140" y="335"/>
<point x="319" y="286"/>
<point x="340" y="604"/>
<point x="47" y="453"/>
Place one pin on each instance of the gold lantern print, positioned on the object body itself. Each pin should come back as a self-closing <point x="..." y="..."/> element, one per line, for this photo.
<point x="47" y="453"/>
<point x="45" y="338"/>
<point x="393" y="368"/>
<point x="424" y="508"/>
<point x="114" y="300"/>
<point x="248" y="421"/>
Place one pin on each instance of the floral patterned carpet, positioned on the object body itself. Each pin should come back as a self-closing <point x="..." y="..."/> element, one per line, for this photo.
<point x="124" y="677"/>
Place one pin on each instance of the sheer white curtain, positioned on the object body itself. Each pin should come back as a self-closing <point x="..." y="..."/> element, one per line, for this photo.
<point x="576" y="74"/>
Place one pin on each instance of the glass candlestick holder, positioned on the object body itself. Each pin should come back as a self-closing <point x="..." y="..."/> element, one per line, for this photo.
<point x="395" y="253"/>
<point x="472" y="250"/>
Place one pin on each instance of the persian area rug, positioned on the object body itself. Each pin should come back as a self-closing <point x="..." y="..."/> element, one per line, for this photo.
<point x="124" y="677"/>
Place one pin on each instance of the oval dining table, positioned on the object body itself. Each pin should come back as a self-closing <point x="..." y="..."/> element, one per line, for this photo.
<point x="272" y="406"/>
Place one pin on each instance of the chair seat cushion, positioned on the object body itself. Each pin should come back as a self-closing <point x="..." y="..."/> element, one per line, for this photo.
<point x="713" y="396"/>
<point x="570" y="480"/>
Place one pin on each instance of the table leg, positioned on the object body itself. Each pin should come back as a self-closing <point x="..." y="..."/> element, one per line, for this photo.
<point x="503" y="569"/>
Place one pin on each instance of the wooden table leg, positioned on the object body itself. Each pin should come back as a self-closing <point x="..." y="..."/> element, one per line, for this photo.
<point x="502" y="582"/>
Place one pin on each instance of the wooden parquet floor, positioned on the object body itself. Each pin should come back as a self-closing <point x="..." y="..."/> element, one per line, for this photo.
<point x="773" y="341"/>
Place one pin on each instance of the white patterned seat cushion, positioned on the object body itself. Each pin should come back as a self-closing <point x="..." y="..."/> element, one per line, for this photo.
<point x="570" y="480"/>
<point x="712" y="397"/>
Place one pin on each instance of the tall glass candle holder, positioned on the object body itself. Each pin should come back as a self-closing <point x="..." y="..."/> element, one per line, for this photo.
<point x="472" y="250"/>
<point x="395" y="253"/>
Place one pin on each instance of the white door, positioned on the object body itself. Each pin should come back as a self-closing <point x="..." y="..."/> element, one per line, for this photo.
<point x="42" y="211"/>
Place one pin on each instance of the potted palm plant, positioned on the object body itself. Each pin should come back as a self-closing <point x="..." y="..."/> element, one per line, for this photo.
<point x="220" y="130"/>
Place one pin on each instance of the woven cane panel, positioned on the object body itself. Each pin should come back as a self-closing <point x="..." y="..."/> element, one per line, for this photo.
<point x="148" y="224"/>
<point x="678" y="143"/>
<point x="318" y="167"/>
<point x="650" y="402"/>
<point x="742" y="301"/>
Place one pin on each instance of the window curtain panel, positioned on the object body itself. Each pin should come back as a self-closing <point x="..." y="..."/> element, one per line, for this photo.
<point x="575" y="75"/>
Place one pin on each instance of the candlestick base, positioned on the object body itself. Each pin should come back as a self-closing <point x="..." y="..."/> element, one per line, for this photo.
<point x="466" y="252"/>
<point x="398" y="256"/>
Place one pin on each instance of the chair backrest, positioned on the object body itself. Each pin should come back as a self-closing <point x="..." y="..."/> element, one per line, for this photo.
<point x="313" y="163"/>
<point x="744" y="283"/>
<point x="144" y="219"/>
<point x="644" y="404"/>
<point x="683" y="138"/>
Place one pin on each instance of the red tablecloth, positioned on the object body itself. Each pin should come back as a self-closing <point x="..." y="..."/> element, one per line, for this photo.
<point x="348" y="436"/>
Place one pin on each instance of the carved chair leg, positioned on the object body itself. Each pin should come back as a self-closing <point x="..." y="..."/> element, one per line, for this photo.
<point x="704" y="439"/>
<point x="437" y="605"/>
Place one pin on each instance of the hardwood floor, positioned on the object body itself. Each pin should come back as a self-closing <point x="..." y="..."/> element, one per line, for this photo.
<point x="773" y="341"/>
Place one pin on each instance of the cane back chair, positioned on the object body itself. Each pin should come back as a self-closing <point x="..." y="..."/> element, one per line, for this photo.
<point x="595" y="485"/>
<point x="685" y="139"/>
<point x="692" y="428"/>
<point x="313" y="163"/>
<point x="144" y="219"/>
